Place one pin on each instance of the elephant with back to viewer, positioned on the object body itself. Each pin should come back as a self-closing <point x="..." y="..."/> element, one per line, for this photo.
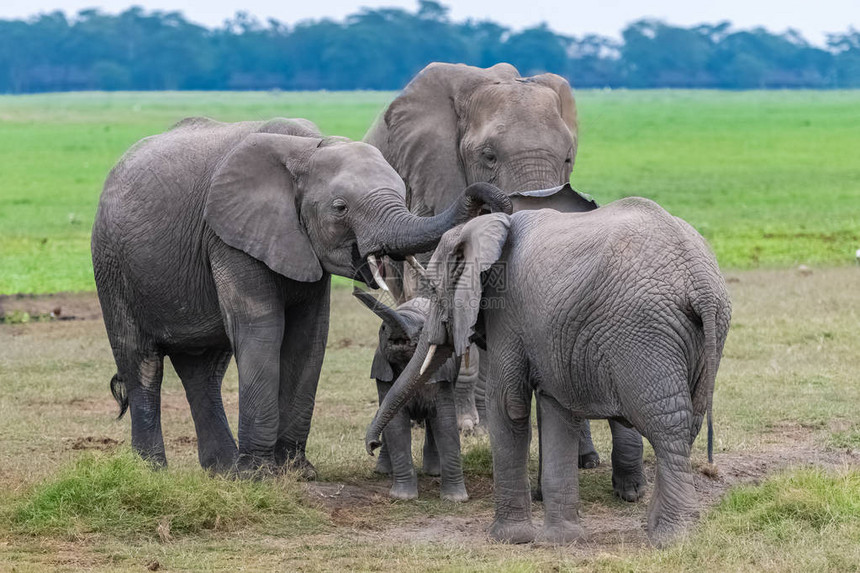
<point x="218" y="239"/>
<point x="455" y="125"/>
<point x="631" y="327"/>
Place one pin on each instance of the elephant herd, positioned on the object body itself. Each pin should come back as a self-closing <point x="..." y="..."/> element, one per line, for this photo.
<point x="215" y="240"/>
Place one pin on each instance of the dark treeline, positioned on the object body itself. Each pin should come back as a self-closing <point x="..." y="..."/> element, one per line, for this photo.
<point x="382" y="49"/>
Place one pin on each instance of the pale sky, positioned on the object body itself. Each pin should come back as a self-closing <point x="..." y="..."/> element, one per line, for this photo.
<point x="605" y="17"/>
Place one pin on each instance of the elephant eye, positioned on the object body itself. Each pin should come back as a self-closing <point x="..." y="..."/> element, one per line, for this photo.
<point x="339" y="207"/>
<point x="568" y="160"/>
<point x="488" y="155"/>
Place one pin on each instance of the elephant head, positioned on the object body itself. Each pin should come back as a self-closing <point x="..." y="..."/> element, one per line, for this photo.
<point x="454" y="125"/>
<point x="304" y="205"/>
<point x="398" y="337"/>
<point x="456" y="273"/>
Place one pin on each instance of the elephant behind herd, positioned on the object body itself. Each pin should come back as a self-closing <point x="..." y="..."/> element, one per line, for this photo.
<point x="216" y="240"/>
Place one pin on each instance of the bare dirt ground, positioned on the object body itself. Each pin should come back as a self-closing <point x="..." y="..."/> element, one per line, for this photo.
<point x="61" y="306"/>
<point x="606" y="527"/>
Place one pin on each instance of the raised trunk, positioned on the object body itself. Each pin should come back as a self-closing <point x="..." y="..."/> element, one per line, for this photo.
<point x="405" y="233"/>
<point x="406" y="386"/>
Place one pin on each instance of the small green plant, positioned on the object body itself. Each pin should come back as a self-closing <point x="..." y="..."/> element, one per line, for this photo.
<point x="16" y="317"/>
<point x="121" y="495"/>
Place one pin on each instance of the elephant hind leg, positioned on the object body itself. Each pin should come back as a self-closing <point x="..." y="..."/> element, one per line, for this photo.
<point x="136" y="386"/>
<point x="430" y="463"/>
<point x="662" y="410"/>
<point x="588" y="457"/>
<point x="628" y="477"/>
<point x="560" y="440"/>
<point x="201" y="376"/>
<point x="141" y="372"/>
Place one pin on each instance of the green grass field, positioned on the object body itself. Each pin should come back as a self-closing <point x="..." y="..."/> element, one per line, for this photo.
<point x="772" y="179"/>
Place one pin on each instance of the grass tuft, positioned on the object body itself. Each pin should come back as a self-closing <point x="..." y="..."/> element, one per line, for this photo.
<point x="120" y="495"/>
<point x="809" y="500"/>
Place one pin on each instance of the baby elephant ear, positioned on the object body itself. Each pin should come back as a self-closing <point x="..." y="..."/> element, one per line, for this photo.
<point x="251" y="204"/>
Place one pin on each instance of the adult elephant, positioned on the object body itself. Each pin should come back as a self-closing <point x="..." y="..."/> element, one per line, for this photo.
<point x="617" y="313"/>
<point x="454" y="125"/>
<point x="216" y="239"/>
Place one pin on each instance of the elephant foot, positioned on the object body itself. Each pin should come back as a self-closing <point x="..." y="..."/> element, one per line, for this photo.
<point x="302" y="467"/>
<point x="250" y="466"/>
<point x="629" y="486"/>
<point x="512" y="531"/>
<point x="664" y="533"/>
<point x="455" y="492"/>
<point x="589" y="461"/>
<point x="562" y="533"/>
<point x="404" y="490"/>
<point x="218" y="461"/>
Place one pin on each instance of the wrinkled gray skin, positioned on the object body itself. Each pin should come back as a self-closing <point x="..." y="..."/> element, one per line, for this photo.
<point x="213" y="240"/>
<point x="618" y="313"/>
<point x="454" y="125"/>
<point x="432" y="404"/>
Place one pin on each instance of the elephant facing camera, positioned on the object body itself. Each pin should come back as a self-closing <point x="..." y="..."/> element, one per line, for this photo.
<point x="433" y="405"/>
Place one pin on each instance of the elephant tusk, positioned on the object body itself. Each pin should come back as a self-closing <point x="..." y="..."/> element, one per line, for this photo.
<point x="374" y="269"/>
<point x="466" y="358"/>
<point x="427" y="360"/>
<point x="415" y="264"/>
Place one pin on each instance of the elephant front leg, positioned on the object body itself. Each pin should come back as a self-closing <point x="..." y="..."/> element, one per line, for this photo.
<point x="301" y="357"/>
<point x="397" y="437"/>
<point x="257" y="362"/>
<point x="628" y="477"/>
<point x="447" y="438"/>
<point x="559" y="473"/>
<point x="509" y="422"/>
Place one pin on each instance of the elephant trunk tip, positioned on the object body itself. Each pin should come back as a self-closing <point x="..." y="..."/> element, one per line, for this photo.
<point x="372" y="440"/>
<point x="487" y="195"/>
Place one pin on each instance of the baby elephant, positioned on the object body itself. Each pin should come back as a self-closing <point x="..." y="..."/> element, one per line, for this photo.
<point x="432" y="404"/>
<point x="618" y="313"/>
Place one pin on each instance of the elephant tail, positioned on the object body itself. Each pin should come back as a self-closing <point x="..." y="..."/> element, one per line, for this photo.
<point x="703" y="390"/>
<point x="118" y="389"/>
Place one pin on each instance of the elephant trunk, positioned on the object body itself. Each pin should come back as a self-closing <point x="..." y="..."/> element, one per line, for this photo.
<point x="419" y="370"/>
<point x="406" y="233"/>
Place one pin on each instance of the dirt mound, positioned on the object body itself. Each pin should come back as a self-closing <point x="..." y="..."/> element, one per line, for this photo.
<point x="94" y="443"/>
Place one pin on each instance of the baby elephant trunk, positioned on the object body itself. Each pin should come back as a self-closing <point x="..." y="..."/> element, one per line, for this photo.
<point x="426" y="360"/>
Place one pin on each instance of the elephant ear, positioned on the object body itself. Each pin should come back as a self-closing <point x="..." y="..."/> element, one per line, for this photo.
<point x="566" y="101"/>
<point x="461" y="261"/>
<point x="381" y="369"/>
<point x="421" y="134"/>
<point x="251" y="204"/>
